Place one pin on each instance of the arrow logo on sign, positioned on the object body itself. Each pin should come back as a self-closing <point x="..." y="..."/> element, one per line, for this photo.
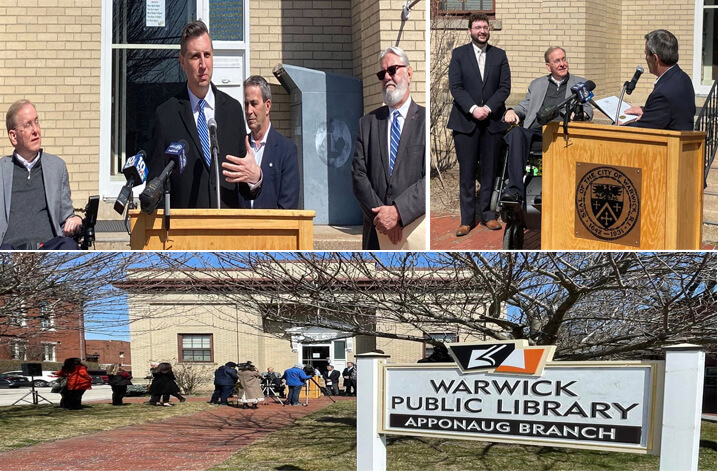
<point x="485" y="357"/>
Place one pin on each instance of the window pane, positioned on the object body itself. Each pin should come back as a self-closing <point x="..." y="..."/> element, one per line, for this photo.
<point x="144" y="79"/>
<point x="340" y="348"/>
<point x="226" y="20"/>
<point x="709" y="66"/>
<point x="486" y="5"/>
<point x="130" y="25"/>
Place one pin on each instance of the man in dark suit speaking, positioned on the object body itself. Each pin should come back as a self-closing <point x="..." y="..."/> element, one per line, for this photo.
<point x="185" y="117"/>
<point x="672" y="104"/>
<point x="275" y="154"/>
<point x="480" y="82"/>
<point x="389" y="161"/>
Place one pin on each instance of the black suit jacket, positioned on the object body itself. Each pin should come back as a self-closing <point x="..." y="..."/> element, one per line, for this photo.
<point x="333" y="376"/>
<point x="371" y="182"/>
<point x="280" y="174"/>
<point x="196" y="186"/>
<point x="671" y="105"/>
<point x="468" y="88"/>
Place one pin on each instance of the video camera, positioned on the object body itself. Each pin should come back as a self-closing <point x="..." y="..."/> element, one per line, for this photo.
<point x="244" y="365"/>
<point x="309" y="370"/>
<point x="86" y="235"/>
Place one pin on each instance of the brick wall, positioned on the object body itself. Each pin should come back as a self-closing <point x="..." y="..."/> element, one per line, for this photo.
<point x="110" y="352"/>
<point x="51" y="56"/>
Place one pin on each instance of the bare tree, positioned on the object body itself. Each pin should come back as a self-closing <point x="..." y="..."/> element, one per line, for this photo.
<point x="64" y="284"/>
<point x="590" y="305"/>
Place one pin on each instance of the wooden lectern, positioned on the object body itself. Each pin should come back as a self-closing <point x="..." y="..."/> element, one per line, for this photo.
<point x="223" y="230"/>
<point x="613" y="187"/>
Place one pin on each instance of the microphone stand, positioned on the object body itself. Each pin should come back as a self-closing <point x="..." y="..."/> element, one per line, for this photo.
<point x="167" y="208"/>
<point x="620" y="101"/>
<point x="215" y="159"/>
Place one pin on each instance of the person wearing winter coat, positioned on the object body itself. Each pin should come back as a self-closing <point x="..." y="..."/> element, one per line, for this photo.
<point x="250" y="391"/>
<point x="295" y="378"/>
<point x="119" y="379"/>
<point x="225" y="378"/>
<point x="77" y="381"/>
<point x="164" y="385"/>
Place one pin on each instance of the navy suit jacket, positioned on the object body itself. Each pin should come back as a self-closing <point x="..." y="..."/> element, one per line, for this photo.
<point x="280" y="174"/>
<point x="671" y="105"/>
<point x="468" y="88"/>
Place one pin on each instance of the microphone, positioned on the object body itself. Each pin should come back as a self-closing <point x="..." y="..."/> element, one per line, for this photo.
<point x="582" y="92"/>
<point x="630" y="86"/>
<point x="176" y="154"/>
<point x="213" y="142"/>
<point x="135" y="171"/>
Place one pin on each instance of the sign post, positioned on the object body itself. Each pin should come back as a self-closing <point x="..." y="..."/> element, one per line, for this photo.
<point x="682" y="404"/>
<point x="371" y="445"/>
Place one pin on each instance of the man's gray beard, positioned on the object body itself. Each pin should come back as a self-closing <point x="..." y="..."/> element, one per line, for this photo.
<point x="393" y="97"/>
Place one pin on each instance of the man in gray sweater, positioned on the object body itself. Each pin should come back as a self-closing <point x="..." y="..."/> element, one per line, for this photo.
<point x="37" y="210"/>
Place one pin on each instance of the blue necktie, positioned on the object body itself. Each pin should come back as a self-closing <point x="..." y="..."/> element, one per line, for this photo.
<point x="395" y="137"/>
<point x="203" y="133"/>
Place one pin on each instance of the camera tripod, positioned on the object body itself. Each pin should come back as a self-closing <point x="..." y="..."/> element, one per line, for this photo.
<point x="268" y="391"/>
<point x="35" y="396"/>
<point x="324" y="390"/>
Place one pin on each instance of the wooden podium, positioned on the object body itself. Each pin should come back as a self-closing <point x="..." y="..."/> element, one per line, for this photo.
<point x="621" y="188"/>
<point x="212" y="229"/>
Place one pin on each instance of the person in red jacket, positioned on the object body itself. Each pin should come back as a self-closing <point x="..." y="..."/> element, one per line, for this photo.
<point x="78" y="380"/>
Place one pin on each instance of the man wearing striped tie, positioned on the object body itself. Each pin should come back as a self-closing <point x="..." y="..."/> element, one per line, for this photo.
<point x="185" y="117"/>
<point x="389" y="162"/>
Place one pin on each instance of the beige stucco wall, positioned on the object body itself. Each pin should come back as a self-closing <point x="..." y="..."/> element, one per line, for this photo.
<point x="51" y="55"/>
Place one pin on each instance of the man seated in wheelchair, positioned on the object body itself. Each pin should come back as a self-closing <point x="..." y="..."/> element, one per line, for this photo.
<point x="545" y="93"/>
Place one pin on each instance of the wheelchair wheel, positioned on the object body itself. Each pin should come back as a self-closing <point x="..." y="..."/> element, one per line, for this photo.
<point x="494" y="200"/>
<point x="513" y="237"/>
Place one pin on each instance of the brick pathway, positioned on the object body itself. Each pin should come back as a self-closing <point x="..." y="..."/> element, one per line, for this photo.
<point x="443" y="228"/>
<point x="443" y="236"/>
<point x="194" y="442"/>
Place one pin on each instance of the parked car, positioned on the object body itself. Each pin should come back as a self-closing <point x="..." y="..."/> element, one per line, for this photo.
<point x="15" y="381"/>
<point x="99" y="377"/>
<point x="44" y="380"/>
<point x="137" y="390"/>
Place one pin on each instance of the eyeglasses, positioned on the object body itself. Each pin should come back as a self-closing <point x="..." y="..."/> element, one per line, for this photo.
<point x="391" y="70"/>
<point x="29" y="125"/>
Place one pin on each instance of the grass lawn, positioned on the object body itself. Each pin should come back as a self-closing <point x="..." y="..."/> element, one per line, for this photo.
<point x="22" y="426"/>
<point x="325" y="440"/>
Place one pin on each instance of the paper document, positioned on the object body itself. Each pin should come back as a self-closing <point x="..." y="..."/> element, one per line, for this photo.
<point x="609" y="105"/>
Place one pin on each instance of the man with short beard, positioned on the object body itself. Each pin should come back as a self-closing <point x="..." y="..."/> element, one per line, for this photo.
<point x="389" y="162"/>
<point x="480" y="82"/>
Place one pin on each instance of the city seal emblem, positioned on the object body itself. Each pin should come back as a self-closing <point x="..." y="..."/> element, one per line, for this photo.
<point x="608" y="203"/>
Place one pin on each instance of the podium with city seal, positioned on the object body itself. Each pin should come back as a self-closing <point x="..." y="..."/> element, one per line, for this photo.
<point x="618" y="188"/>
<point x="223" y="230"/>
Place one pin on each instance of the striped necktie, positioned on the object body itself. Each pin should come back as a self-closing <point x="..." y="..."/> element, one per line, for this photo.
<point x="203" y="133"/>
<point x="395" y="137"/>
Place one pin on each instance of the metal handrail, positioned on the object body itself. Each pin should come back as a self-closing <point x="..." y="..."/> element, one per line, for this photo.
<point x="708" y="121"/>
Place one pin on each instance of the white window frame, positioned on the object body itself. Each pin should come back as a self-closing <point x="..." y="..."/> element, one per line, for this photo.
<point x="15" y="351"/>
<point x="47" y="318"/>
<point x="18" y="317"/>
<point x="109" y="185"/>
<point x="53" y="352"/>
<point x="697" y="53"/>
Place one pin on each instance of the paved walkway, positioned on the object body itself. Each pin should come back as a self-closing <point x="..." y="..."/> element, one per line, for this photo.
<point x="443" y="236"/>
<point x="194" y="442"/>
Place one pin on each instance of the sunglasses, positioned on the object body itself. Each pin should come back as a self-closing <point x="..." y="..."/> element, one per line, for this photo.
<point x="391" y="70"/>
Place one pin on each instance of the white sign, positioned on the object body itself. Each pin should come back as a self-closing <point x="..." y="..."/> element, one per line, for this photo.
<point x="608" y="406"/>
<point x="154" y="13"/>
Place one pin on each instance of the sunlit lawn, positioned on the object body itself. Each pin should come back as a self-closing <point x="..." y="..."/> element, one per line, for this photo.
<point x="326" y="440"/>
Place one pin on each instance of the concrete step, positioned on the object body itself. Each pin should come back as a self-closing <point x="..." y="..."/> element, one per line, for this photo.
<point x="710" y="207"/>
<point x="710" y="233"/>
<point x="326" y="238"/>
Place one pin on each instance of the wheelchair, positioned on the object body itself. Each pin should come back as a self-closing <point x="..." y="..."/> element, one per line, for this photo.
<point x="525" y="214"/>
